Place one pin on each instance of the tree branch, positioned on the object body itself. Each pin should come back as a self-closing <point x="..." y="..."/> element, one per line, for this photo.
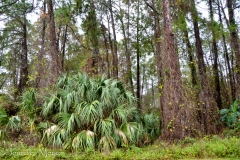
<point x="152" y="7"/>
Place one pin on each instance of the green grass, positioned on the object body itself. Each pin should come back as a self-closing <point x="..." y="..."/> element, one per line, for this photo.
<point x="206" y="148"/>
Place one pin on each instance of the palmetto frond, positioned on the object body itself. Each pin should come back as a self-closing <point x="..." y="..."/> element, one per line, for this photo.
<point x="151" y="124"/>
<point x="84" y="140"/>
<point x="68" y="102"/>
<point x="91" y="112"/>
<point x="129" y="98"/>
<point x="107" y="143"/>
<point x="120" y="113"/>
<point x="51" y="130"/>
<point x="120" y="138"/>
<point x="132" y="130"/>
<point x="106" y="97"/>
<point x="60" y="137"/>
<point x="81" y="104"/>
<point x="105" y="127"/>
<point x="50" y="106"/>
<point x="55" y="136"/>
<point x="67" y="121"/>
<point x="3" y="117"/>
<point x="62" y="81"/>
<point x="29" y="102"/>
<point x="43" y="126"/>
<point x="14" y="123"/>
<point x="133" y="114"/>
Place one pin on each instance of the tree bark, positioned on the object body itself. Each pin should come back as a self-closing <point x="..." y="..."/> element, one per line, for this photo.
<point x="207" y="106"/>
<point x="129" y="80"/>
<point x="63" y="48"/>
<point x="215" y="64"/>
<point x="40" y="63"/>
<point x="234" y="44"/>
<point x="226" y="55"/>
<point x="138" y="62"/>
<point x="94" y="38"/>
<point x="104" y="29"/>
<point x="110" y="44"/>
<point x="191" y="62"/>
<point x="174" y="117"/>
<point x="53" y="44"/>
<point x="158" y="52"/>
<point x="115" y="58"/>
<point x="23" y="58"/>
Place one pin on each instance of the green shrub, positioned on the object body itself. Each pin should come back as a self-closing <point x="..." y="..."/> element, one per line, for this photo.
<point x="8" y="123"/>
<point x="29" y="103"/>
<point x="87" y="113"/>
<point x="231" y="116"/>
<point x="8" y="105"/>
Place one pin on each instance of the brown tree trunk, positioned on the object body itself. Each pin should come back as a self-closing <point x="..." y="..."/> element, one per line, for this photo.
<point x="104" y="30"/>
<point x="153" y="94"/>
<point x="40" y="63"/>
<point x="53" y="44"/>
<point x="138" y="62"/>
<point x="129" y="80"/>
<point x="144" y="81"/>
<point x="158" y="52"/>
<point x="191" y="62"/>
<point x="115" y="58"/>
<point x="215" y="64"/>
<point x="23" y="59"/>
<point x="226" y="55"/>
<point x="62" y="56"/>
<point x="111" y="45"/>
<point x="174" y="117"/>
<point x="208" y="110"/>
<point x="234" y="44"/>
<point x="94" y="38"/>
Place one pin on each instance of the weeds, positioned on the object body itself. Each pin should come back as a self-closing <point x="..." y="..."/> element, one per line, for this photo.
<point x="212" y="147"/>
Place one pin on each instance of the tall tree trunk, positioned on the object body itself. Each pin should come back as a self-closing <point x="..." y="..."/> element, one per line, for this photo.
<point x="138" y="62"/>
<point x="215" y="64"/>
<point x="153" y="94"/>
<point x="174" y="117"/>
<point x="129" y="80"/>
<point x="207" y="105"/>
<point x="53" y="44"/>
<point x="198" y="45"/>
<point x="15" y="64"/>
<point x="158" y="52"/>
<point x="104" y="29"/>
<point x="63" y="48"/>
<point x="115" y="58"/>
<point x="191" y="62"/>
<point x="226" y="55"/>
<point x="94" y="38"/>
<point x="40" y="63"/>
<point x="23" y="58"/>
<point x="110" y="42"/>
<point x="234" y="44"/>
<point x="144" y="82"/>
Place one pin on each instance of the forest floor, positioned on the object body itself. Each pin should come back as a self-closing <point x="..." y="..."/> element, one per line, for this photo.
<point x="208" y="147"/>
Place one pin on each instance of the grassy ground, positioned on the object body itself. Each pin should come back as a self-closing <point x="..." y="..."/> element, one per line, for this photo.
<point x="212" y="147"/>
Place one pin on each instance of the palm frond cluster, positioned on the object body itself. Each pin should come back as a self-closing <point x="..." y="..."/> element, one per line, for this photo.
<point x="8" y="123"/>
<point x="87" y="113"/>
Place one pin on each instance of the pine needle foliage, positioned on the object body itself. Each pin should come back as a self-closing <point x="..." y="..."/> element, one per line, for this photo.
<point x="91" y="113"/>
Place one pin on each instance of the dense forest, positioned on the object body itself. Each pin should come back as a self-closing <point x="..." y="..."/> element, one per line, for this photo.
<point x="105" y="74"/>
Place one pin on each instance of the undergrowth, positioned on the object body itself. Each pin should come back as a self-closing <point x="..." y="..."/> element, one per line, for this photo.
<point x="209" y="147"/>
